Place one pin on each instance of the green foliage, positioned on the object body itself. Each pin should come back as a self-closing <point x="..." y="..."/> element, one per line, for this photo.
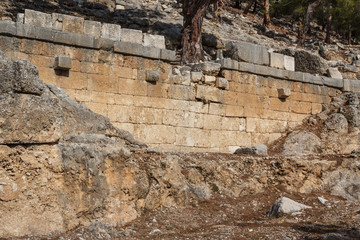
<point x="345" y="13"/>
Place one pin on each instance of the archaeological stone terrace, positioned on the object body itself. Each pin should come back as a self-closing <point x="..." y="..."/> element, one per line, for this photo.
<point x="251" y="97"/>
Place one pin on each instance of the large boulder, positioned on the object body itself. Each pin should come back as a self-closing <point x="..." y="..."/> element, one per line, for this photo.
<point x="285" y="206"/>
<point x="19" y="77"/>
<point x="302" y="142"/>
<point x="336" y="122"/>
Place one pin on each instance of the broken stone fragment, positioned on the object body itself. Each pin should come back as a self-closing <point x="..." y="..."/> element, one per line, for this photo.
<point x="208" y="68"/>
<point x="334" y="73"/>
<point x="284" y="92"/>
<point x="152" y="76"/>
<point x="285" y="206"/>
<point x="258" y="150"/>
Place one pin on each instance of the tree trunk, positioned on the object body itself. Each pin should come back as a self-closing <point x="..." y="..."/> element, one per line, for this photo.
<point x="247" y="9"/>
<point x="194" y="12"/>
<point x="328" y="26"/>
<point x="349" y="34"/>
<point x="266" y="13"/>
<point x="306" y="25"/>
<point x="237" y="5"/>
<point x="255" y="6"/>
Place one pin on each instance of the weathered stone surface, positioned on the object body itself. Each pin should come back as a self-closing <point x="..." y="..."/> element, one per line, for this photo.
<point x="334" y="73"/>
<point x="229" y="63"/>
<point x="73" y="24"/>
<point x="131" y="35"/>
<point x="168" y="55"/>
<point x="309" y="63"/>
<point x="284" y="206"/>
<point x="351" y="85"/>
<point x="208" y="93"/>
<point x="302" y="142"/>
<point x="209" y="80"/>
<point x="352" y="114"/>
<point x="289" y="63"/>
<point x="20" y="18"/>
<point x="111" y="31"/>
<point x="30" y="119"/>
<point x="197" y="76"/>
<point x="38" y="19"/>
<point x="74" y="39"/>
<point x="92" y="28"/>
<point x="157" y="41"/>
<point x="284" y="92"/>
<point x="256" y="150"/>
<point x="57" y="21"/>
<point x="276" y="60"/>
<point x="29" y="31"/>
<point x="137" y="50"/>
<point x="337" y="122"/>
<point x="7" y="27"/>
<point x="222" y="83"/>
<point x="19" y="76"/>
<point x="152" y="76"/>
<point x="62" y="62"/>
<point x="243" y="51"/>
<point x="208" y="68"/>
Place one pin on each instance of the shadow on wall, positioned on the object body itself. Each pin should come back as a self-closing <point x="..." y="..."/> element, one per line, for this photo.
<point x="149" y="21"/>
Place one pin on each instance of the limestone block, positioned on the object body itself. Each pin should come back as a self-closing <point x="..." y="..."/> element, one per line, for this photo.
<point x="208" y="68"/>
<point x="182" y="92"/>
<point x="248" y="52"/>
<point x="131" y="35"/>
<point x="277" y="60"/>
<point x="334" y="73"/>
<point x="207" y="93"/>
<point x="222" y="83"/>
<point x="176" y="79"/>
<point x="74" y="39"/>
<point x="152" y="76"/>
<point x="246" y="67"/>
<point x="103" y="43"/>
<point x="284" y="92"/>
<point x="333" y="82"/>
<point x="157" y="41"/>
<point x="111" y="31"/>
<point x="20" y="18"/>
<point x="186" y="77"/>
<point x="73" y="24"/>
<point x="289" y="63"/>
<point x="63" y="63"/>
<point x="25" y="30"/>
<point x="92" y="28"/>
<point x="38" y="19"/>
<point x="57" y="21"/>
<point x="196" y="76"/>
<point x="137" y="50"/>
<point x="228" y="63"/>
<point x="168" y="55"/>
<point x="209" y="80"/>
<point x="8" y="27"/>
<point x="351" y="85"/>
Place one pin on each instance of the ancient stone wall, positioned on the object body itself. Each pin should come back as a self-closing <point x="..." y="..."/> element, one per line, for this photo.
<point x="131" y="78"/>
